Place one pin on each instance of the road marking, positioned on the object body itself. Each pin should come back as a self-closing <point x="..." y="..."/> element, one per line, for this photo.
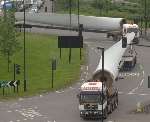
<point x="141" y="82"/>
<point x="11" y="121"/>
<point x="143" y="94"/>
<point x="85" y="72"/>
<point x="30" y="113"/>
<point x="139" y="85"/>
<point x="20" y="99"/>
<point x="143" y="72"/>
<point x="18" y="120"/>
<point x="9" y="111"/>
<point x="71" y="87"/>
<point x="87" y="68"/>
<point x="60" y="92"/>
<point x="129" y="74"/>
<point x="130" y="93"/>
<point x="24" y="119"/>
<point x="120" y="92"/>
<point x="82" y="79"/>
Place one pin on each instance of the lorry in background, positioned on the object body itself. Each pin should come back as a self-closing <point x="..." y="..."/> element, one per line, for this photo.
<point x="129" y="60"/>
<point x="91" y="100"/>
<point x="125" y="28"/>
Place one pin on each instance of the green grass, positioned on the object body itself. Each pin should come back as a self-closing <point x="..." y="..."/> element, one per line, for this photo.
<point x="40" y="49"/>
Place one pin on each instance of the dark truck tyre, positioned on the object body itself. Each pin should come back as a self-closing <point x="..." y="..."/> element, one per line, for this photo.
<point x="105" y="113"/>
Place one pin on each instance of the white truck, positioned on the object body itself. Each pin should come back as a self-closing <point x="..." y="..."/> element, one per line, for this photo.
<point x="91" y="99"/>
<point x="124" y="29"/>
<point x="96" y="101"/>
<point x="129" y="60"/>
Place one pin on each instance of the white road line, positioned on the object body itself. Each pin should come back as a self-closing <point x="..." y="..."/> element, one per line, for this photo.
<point x="143" y="94"/>
<point x="20" y="99"/>
<point x="24" y="119"/>
<point x="92" y="48"/>
<point x="9" y="111"/>
<point x="84" y="72"/>
<point x="82" y="79"/>
<point x="87" y="68"/>
<point x="141" y="82"/>
<point x="130" y="93"/>
<point x="71" y="87"/>
<point x="11" y="121"/>
<point x="120" y="92"/>
<point x="60" y="92"/>
<point x="139" y="85"/>
<point x="18" y="120"/>
<point x="143" y="72"/>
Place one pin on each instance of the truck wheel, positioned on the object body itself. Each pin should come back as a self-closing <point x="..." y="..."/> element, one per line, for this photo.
<point x="105" y="114"/>
<point x="113" y="106"/>
<point x="116" y="103"/>
<point x="111" y="109"/>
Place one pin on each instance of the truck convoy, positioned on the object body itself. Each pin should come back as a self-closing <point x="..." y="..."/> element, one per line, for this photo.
<point x="98" y="97"/>
<point x="124" y="29"/>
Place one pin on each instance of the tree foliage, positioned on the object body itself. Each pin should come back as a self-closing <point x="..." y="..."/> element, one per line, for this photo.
<point x="8" y="35"/>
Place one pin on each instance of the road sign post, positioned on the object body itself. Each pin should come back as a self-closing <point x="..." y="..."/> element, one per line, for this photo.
<point x="3" y="91"/>
<point x="53" y="68"/>
<point x="12" y="83"/>
<point x="80" y="37"/>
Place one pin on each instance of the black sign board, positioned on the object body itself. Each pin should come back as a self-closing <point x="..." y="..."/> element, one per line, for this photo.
<point x="148" y="81"/>
<point x="70" y="42"/>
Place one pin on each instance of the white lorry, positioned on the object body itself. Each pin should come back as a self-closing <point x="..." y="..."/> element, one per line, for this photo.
<point x="91" y="99"/>
<point x="96" y="101"/>
<point x="125" y="28"/>
<point x="129" y="60"/>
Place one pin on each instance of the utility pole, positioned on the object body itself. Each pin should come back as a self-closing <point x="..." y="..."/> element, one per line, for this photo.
<point x="24" y="48"/>
<point x="102" y="81"/>
<point x="70" y="6"/>
<point x="145" y="16"/>
<point x="78" y="12"/>
<point x="79" y="27"/>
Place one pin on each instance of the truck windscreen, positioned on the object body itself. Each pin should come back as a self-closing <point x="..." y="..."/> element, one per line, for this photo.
<point x="90" y="98"/>
<point x="129" y="30"/>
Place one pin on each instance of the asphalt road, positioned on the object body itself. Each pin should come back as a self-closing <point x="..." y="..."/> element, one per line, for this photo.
<point x="62" y="105"/>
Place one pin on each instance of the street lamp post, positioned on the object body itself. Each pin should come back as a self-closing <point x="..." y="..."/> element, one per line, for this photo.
<point x="24" y="48"/>
<point x="78" y="12"/>
<point x="52" y="5"/>
<point x="145" y="16"/>
<point x="102" y="80"/>
<point x="70" y="10"/>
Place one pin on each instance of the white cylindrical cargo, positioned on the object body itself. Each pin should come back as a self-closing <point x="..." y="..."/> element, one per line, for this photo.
<point x="63" y="20"/>
<point x="112" y="58"/>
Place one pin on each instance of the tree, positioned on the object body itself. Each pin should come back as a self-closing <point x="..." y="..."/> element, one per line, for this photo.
<point x="8" y="35"/>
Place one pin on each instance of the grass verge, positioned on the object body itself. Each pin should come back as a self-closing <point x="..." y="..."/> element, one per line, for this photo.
<point x="40" y="49"/>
